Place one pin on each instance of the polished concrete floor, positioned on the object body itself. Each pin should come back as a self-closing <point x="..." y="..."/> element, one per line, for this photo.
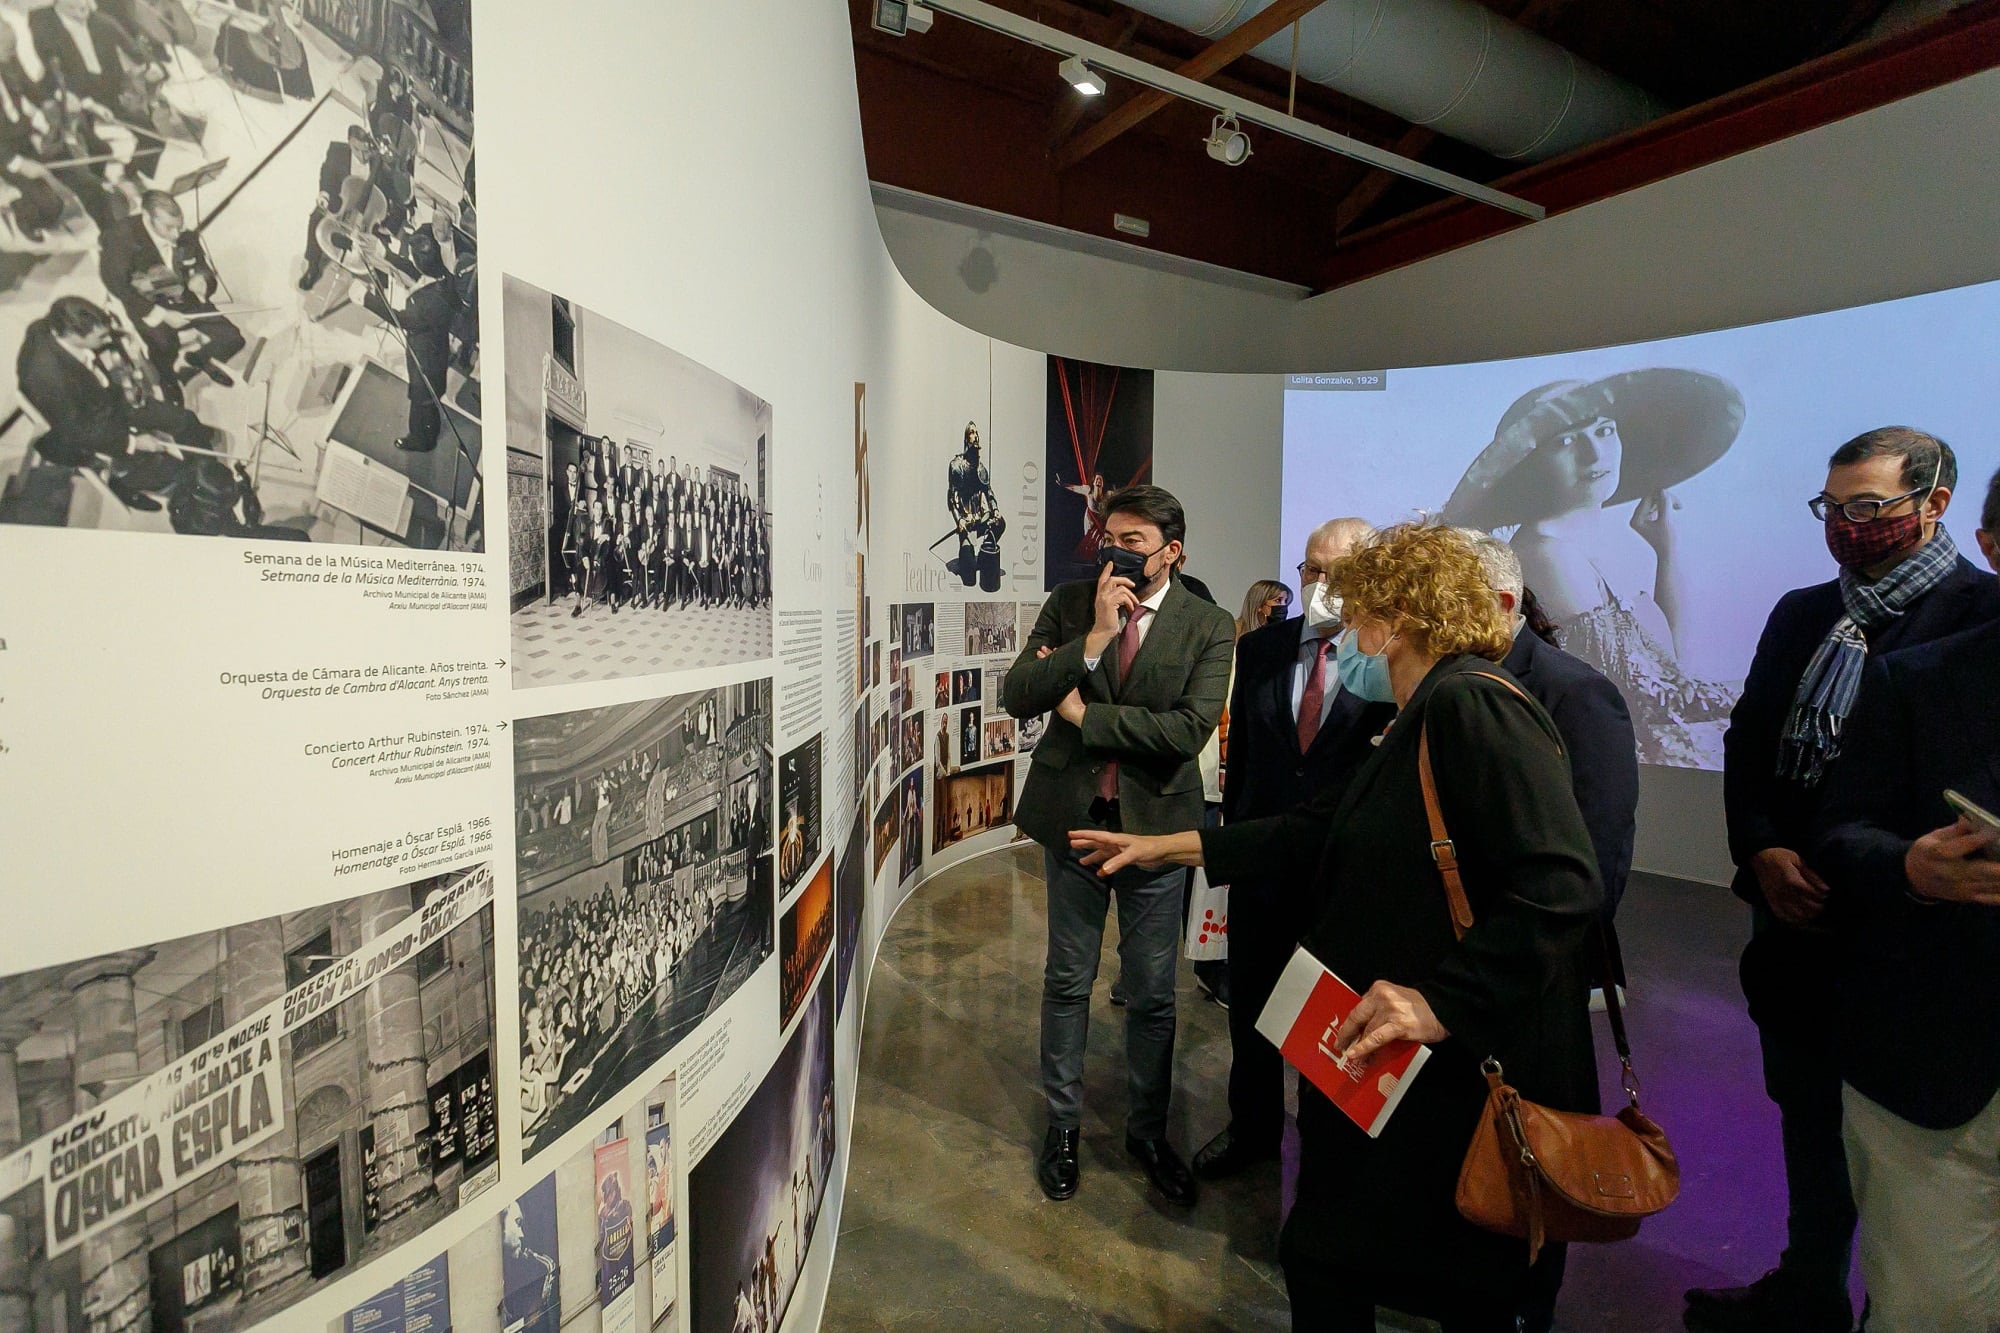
<point x="944" y="1228"/>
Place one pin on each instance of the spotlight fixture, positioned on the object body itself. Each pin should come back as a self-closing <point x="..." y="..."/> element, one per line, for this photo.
<point x="1082" y="77"/>
<point x="890" y="16"/>
<point x="1227" y="143"/>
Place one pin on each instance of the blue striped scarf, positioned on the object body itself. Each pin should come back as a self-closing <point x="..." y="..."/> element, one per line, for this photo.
<point x="1825" y="697"/>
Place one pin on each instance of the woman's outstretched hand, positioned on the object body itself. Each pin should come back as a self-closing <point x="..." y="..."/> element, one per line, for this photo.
<point x="1108" y="852"/>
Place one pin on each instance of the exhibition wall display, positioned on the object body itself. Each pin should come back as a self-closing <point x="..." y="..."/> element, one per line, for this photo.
<point x="1656" y="493"/>
<point x="444" y="898"/>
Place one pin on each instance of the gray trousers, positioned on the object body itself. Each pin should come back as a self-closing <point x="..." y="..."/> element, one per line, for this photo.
<point x="1149" y="936"/>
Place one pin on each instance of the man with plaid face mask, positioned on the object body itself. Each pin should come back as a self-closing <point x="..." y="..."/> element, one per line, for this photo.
<point x="1901" y="582"/>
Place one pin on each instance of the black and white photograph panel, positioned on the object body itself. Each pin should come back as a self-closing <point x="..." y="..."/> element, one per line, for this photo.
<point x="990" y="629"/>
<point x="238" y="270"/>
<point x="638" y="488"/>
<point x="270" y="1107"/>
<point x="645" y="886"/>
<point x="919" y="629"/>
<point x="755" y="1196"/>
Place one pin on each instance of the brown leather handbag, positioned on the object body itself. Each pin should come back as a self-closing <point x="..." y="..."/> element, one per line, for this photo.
<point x="1539" y="1173"/>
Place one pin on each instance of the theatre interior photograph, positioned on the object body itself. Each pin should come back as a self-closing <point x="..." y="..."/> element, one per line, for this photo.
<point x="1153" y="666"/>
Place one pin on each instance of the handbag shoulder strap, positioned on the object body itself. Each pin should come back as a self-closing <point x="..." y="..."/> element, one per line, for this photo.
<point x="1444" y="853"/>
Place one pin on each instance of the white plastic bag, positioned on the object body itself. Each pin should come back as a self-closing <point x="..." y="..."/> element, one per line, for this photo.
<point x="1208" y="919"/>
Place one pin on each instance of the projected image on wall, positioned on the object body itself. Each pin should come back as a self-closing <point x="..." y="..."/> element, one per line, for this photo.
<point x="645" y="883"/>
<point x="1655" y="493"/>
<point x="639" y="491"/>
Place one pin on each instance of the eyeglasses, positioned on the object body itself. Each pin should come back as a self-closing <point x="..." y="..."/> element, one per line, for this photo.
<point x="1308" y="572"/>
<point x="1858" y="511"/>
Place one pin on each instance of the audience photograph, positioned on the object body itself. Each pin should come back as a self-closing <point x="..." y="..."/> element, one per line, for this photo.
<point x="645" y="886"/>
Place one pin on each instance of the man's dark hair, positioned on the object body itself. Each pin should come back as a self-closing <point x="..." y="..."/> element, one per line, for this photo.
<point x="1155" y="505"/>
<point x="1924" y="456"/>
<point x="74" y="317"/>
<point x="1989" y="515"/>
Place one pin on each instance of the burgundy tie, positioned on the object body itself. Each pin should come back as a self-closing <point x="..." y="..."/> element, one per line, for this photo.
<point x="1128" y="648"/>
<point x="1313" y="702"/>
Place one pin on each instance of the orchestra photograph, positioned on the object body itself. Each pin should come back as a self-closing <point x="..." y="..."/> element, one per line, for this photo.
<point x="975" y="801"/>
<point x="758" y="1189"/>
<point x="239" y="270"/>
<point x="640" y="497"/>
<point x="644" y="882"/>
<point x="990" y="629"/>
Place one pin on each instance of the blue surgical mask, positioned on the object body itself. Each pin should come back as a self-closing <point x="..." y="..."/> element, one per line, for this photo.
<point x="1363" y="675"/>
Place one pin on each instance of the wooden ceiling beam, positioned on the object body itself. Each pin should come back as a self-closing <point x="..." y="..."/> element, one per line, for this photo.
<point x="1148" y="102"/>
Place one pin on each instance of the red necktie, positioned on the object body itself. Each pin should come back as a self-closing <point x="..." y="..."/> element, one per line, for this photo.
<point x="1128" y="648"/>
<point x="1313" y="702"/>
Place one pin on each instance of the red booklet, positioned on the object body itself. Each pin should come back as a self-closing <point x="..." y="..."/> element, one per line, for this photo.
<point x="1304" y="1012"/>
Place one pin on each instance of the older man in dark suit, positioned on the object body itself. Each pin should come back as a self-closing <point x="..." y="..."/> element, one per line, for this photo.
<point x="1136" y="674"/>
<point x="1915" y="906"/>
<point x="1292" y="733"/>
<point x="1901" y="583"/>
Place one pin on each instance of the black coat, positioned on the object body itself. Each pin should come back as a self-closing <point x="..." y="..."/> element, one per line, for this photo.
<point x="87" y="418"/>
<point x="1603" y="754"/>
<point x="1513" y="988"/>
<point x="61" y="55"/>
<point x="1765" y="810"/>
<point x="1266" y="774"/>
<point x="1920" y="981"/>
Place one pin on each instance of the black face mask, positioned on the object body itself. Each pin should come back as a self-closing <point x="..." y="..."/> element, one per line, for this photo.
<point x="1126" y="564"/>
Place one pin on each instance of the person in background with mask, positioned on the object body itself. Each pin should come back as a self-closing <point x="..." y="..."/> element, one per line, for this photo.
<point x="1293" y="732"/>
<point x="1136" y="676"/>
<point x="1268" y="602"/>
<point x="1375" y="1223"/>
<point x="1916" y="909"/>
<point x="1902" y="582"/>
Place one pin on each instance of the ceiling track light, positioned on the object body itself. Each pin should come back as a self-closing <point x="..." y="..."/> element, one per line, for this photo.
<point x="1082" y="77"/>
<point x="1226" y="142"/>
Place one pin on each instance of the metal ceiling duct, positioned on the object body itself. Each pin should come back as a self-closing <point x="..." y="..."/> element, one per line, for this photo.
<point x="1453" y="66"/>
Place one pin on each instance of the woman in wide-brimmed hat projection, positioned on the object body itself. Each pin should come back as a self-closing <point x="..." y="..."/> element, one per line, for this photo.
<point x="1563" y="457"/>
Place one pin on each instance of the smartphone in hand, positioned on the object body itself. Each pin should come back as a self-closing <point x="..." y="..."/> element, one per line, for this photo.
<point x="1977" y="816"/>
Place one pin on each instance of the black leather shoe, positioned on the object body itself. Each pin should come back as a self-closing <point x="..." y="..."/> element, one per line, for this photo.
<point x="1225" y="1155"/>
<point x="1164" y="1168"/>
<point x="1777" y="1302"/>
<point x="1056" y="1171"/>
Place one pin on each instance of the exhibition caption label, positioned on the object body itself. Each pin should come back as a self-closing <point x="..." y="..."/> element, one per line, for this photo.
<point x="398" y="582"/>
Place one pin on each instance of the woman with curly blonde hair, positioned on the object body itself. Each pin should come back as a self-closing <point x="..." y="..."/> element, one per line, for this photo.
<point x="1375" y="1222"/>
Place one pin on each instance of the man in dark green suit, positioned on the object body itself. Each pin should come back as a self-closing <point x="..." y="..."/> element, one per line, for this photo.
<point x="1135" y="670"/>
